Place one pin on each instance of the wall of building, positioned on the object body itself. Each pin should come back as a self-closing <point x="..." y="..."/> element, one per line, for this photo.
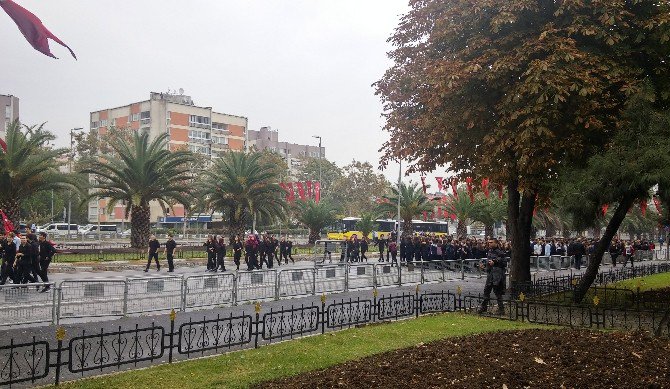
<point x="9" y="109"/>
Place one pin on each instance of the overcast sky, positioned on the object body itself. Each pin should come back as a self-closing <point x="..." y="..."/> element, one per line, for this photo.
<point x="304" y="67"/>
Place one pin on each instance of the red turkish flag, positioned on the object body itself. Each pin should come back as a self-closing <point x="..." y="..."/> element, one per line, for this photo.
<point x="468" y="182"/>
<point x="439" y="183"/>
<point x="454" y="186"/>
<point x="643" y="207"/>
<point x="285" y="188"/>
<point x="6" y="224"/>
<point x="309" y="189"/>
<point x="453" y="217"/>
<point x="500" y="191"/>
<point x="317" y="191"/>
<point x="291" y="196"/>
<point x="423" y="183"/>
<point x="485" y="187"/>
<point x="32" y="28"/>
<point x="3" y="145"/>
<point x="301" y="190"/>
<point x="425" y="215"/>
<point x="657" y="204"/>
<point x="605" y="208"/>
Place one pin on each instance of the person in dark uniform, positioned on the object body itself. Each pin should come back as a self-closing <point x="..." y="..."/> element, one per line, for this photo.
<point x="615" y="251"/>
<point x="495" y="279"/>
<point x="364" y="249"/>
<point x="221" y="255"/>
<point x="237" y="252"/>
<point x="262" y="252"/>
<point x="154" y="245"/>
<point x="289" y="248"/>
<point x="8" y="257"/>
<point x="381" y="244"/>
<point x="170" y="246"/>
<point x="210" y="248"/>
<point x="578" y="250"/>
<point x="46" y="253"/>
<point x="24" y="261"/>
<point x="355" y="248"/>
<point x="250" y="248"/>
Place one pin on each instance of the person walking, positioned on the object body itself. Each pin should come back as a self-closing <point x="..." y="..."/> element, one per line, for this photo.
<point x="210" y="247"/>
<point x="237" y="252"/>
<point x="615" y="251"/>
<point x="251" y="253"/>
<point x="393" y="249"/>
<point x="289" y="248"/>
<point x="24" y="261"/>
<point x="46" y="253"/>
<point x="154" y="245"/>
<point x="221" y="255"/>
<point x="495" y="279"/>
<point x="381" y="244"/>
<point x="8" y="258"/>
<point x="364" y="249"/>
<point x="170" y="246"/>
<point x="578" y="250"/>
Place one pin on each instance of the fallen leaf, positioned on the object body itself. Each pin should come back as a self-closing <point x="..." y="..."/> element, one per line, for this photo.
<point x="638" y="355"/>
<point x="540" y="361"/>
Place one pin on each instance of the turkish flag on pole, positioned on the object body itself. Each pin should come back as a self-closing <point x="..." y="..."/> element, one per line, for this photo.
<point x="439" y="183"/>
<point x="309" y="189"/>
<point x="468" y="182"/>
<point x="3" y="145"/>
<point x="423" y="183"/>
<point x="291" y="196"/>
<point x="485" y="187"/>
<point x="500" y="191"/>
<point x="643" y="207"/>
<point x="6" y="224"/>
<point x="317" y="191"/>
<point x="301" y="190"/>
<point x="32" y="28"/>
<point x="454" y="186"/>
<point x="605" y="208"/>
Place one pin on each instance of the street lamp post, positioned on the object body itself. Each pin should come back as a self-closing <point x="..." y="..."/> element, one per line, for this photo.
<point x="69" y="205"/>
<point x="319" y="138"/>
<point x="399" y="182"/>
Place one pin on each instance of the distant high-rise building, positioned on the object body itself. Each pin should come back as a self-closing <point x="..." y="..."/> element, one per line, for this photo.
<point x="10" y="107"/>
<point x="200" y="129"/>
<point x="268" y="139"/>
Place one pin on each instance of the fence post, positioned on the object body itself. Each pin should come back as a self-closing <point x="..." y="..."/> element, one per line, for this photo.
<point x="462" y="269"/>
<point x="314" y="274"/>
<point x="375" y="312"/>
<point x="183" y="294"/>
<point x="346" y="277"/>
<point x="60" y="336"/>
<point x="235" y="289"/>
<point x="173" y="315"/>
<point x="125" y="297"/>
<point x="257" y="308"/>
<point x="416" y="301"/>
<point x="323" y="313"/>
<point x="56" y="303"/>
<point x="277" y="282"/>
<point x="59" y="292"/>
<point x="399" y="274"/>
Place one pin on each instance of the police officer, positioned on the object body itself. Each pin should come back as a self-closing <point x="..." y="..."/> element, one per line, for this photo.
<point x="221" y="255"/>
<point x="237" y="252"/>
<point x="46" y="253"/>
<point x="8" y="257"/>
<point x="154" y="245"/>
<point x="495" y="279"/>
<point x="170" y="246"/>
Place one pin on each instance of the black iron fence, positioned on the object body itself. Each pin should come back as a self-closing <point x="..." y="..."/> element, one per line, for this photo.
<point x="42" y="361"/>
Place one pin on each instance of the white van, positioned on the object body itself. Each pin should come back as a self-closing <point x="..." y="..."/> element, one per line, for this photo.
<point x="105" y="229"/>
<point x="59" y="229"/>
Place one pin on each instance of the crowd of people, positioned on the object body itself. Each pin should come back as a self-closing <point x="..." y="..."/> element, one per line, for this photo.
<point x="26" y="258"/>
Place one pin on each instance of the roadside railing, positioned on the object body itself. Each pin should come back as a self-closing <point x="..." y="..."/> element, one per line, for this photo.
<point x="40" y="361"/>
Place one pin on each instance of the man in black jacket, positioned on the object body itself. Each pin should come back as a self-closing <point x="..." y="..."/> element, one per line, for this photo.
<point x="47" y="251"/>
<point x="152" y="253"/>
<point x="8" y="256"/>
<point x="495" y="279"/>
<point x="170" y="246"/>
<point x="381" y="243"/>
<point x="578" y="250"/>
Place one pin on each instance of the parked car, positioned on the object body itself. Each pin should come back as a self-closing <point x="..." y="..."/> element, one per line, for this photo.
<point x="125" y="234"/>
<point x="105" y="229"/>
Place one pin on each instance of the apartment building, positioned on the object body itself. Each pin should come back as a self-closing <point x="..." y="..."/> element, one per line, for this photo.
<point x="268" y="139"/>
<point x="200" y="129"/>
<point x="10" y="107"/>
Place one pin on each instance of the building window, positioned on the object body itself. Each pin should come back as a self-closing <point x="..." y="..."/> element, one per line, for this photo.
<point x="8" y="112"/>
<point x="199" y="121"/>
<point x="135" y="117"/>
<point x="196" y="134"/>
<point x="145" y="117"/>
<point x="220" y="126"/>
<point x="95" y="125"/>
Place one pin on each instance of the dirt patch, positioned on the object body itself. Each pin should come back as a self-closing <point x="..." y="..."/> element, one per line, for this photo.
<point x="517" y="359"/>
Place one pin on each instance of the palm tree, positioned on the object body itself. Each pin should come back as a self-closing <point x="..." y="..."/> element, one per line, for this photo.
<point x="464" y="209"/>
<point x="412" y="203"/>
<point x="138" y="172"/>
<point x="27" y="167"/>
<point x="490" y="211"/>
<point x="367" y="224"/>
<point x="314" y="216"/>
<point x="243" y="188"/>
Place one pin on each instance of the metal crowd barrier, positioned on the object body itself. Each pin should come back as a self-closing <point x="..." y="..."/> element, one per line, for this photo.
<point x="24" y="304"/>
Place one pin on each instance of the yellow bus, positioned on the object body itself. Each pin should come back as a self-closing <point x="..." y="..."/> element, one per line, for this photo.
<point x="346" y="228"/>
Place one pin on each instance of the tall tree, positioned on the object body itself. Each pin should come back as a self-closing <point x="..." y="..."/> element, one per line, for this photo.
<point x="140" y="171"/>
<point x="490" y="211"/>
<point x="315" y="216"/>
<point x="367" y="224"/>
<point x="330" y="173"/>
<point x="243" y="187"/>
<point x="412" y="204"/>
<point x="464" y="209"/>
<point x="637" y="160"/>
<point x="28" y="167"/>
<point x="515" y="90"/>
<point x="358" y="189"/>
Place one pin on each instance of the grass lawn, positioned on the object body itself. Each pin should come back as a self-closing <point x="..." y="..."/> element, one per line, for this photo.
<point x="656" y="281"/>
<point x="240" y="369"/>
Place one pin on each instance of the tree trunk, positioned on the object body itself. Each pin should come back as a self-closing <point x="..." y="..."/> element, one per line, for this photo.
<point x="520" y="216"/>
<point x="489" y="231"/>
<point x="314" y="235"/>
<point x="236" y="228"/>
<point x="461" y="229"/>
<point x="140" y="226"/>
<point x="407" y="228"/>
<point x="603" y="244"/>
<point x="12" y="210"/>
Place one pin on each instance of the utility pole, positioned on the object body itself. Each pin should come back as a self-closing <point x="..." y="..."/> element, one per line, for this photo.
<point x="69" y="205"/>
<point x="319" y="138"/>
<point x="399" y="182"/>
